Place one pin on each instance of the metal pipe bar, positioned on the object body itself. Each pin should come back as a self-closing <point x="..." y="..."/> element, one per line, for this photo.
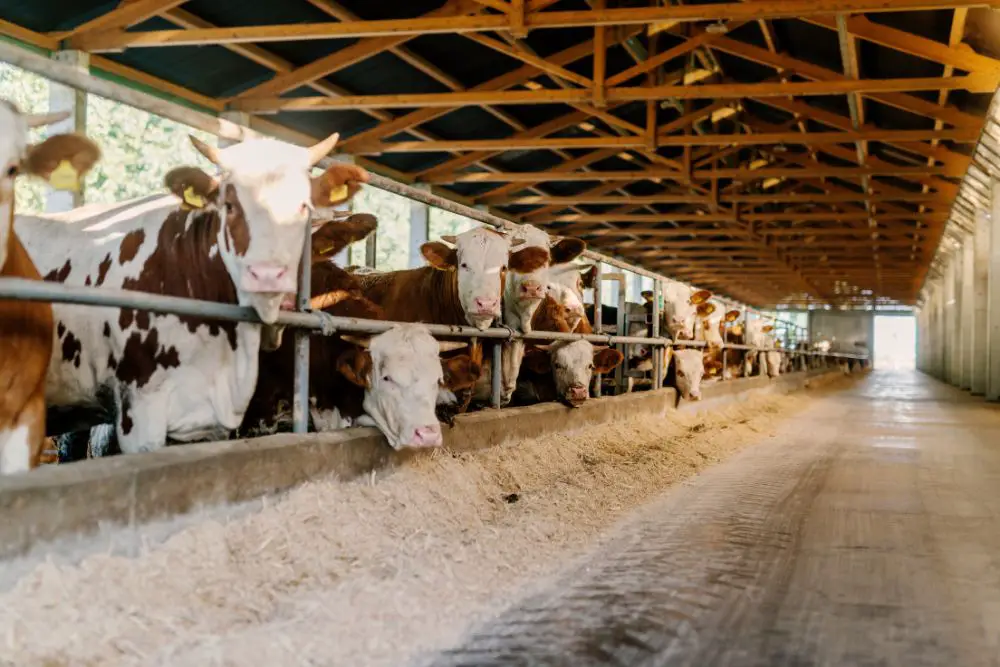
<point x="598" y="318"/>
<point x="496" y="380"/>
<point x="300" y="397"/>
<point x="657" y="357"/>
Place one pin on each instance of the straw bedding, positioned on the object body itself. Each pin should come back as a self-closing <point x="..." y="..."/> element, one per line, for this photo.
<point x="370" y="572"/>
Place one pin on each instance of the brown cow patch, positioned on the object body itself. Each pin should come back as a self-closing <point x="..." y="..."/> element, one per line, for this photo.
<point x="59" y="275"/>
<point x="130" y="245"/>
<point x="125" y="317"/>
<point x="142" y="356"/>
<point x="142" y="319"/>
<point x="204" y="276"/>
<point x="107" y="330"/>
<point x="88" y="281"/>
<point x="60" y="330"/>
<point x="236" y="223"/>
<point x="103" y="268"/>
<point x="112" y="363"/>
<point x="71" y="349"/>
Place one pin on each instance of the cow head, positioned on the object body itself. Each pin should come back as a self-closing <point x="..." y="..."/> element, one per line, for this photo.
<point x="264" y="197"/>
<point x="401" y="373"/>
<point x="566" y="283"/>
<point x="680" y="311"/>
<point x="689" y="369"/>
<point x="481" y="258"/>
<point x="61" y="160"/>
<point x="572" y="365"/>
<point x="524" y="291"/>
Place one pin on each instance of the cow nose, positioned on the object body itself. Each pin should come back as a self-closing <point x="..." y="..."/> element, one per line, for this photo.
<point x="268" y="278"/>
<point x="532" y="289"/>
<point x="578" y="392"/>
<point x="427" y="436"/>
<point x="696" y="395"/>
<point x="486" y="306"/>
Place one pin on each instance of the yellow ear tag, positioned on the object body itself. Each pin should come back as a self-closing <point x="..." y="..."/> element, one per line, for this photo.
<point x="65" y="177"/>
<point x="192" y="199"/>
<point x="338" y="193"/>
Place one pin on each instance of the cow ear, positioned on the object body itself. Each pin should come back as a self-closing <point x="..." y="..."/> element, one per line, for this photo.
<point x="590" y="277"/>
<point x="733" y="315"/>
<point x="333" y="237"/>
<point x="537" y="361"/>
<point x="337" y="184"/>
<point x="566" y="250"/>
<point x="699" y="297"/>
<point x="192" y="185"/>
<point x="606" y="360"/>
<point x="440" y="256"/>
<point x="460" y="372"/>
<point x="647" y="295"/>
<point x="62" y="160"/>
<point x="356" y="366"/>
<point x="528" y="259"/>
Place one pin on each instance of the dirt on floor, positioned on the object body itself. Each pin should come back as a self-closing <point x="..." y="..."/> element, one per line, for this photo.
<point x="371" y="572"/>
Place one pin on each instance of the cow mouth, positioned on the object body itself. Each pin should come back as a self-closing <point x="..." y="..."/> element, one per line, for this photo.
<point x="573" y="402"/>
<point x="482" y="322"/>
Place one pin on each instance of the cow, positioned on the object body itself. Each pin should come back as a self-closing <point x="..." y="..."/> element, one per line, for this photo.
<point x="523" y="292"/>
<point x="680" y="309"/>
<point x="561" y="370"/>
<point x="234" y="238"/>
<point x="390" y="380"/>
<point x="26" y="327"/>
<point x="463" y="284"/>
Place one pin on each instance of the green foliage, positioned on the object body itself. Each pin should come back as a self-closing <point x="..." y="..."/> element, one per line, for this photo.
<point x="443" y="222"/>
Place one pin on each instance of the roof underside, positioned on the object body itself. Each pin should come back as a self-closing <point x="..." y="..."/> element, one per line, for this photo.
<point x="790" y="160"/>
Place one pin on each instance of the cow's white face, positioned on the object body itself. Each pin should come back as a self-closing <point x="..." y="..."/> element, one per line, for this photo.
<point x="573" y="366"/>
<point x="689" y="371"/>
<point x="62" y="152"/>
<point x="524" y="291"/>
<point x="680" y="316"/>
<point x="264" y="196"/>
<point x="482" y="258"/>
<point x="401" y="374"/>
<point x="565" y="285"/>
<point x="773" y="363"/>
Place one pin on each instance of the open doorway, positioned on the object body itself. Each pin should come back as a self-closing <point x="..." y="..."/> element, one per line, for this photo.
<point x="895" y="342"/>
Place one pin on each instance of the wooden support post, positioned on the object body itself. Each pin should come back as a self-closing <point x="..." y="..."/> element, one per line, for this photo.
<point x="951" y="299"/>
<point x="65" y="98"/>
<point x="600" y="60"/>
<point x="517" y="16"/>
<point x="653" y="106"/>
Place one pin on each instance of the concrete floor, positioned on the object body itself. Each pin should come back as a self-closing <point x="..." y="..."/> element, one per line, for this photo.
<point x="867" y="533"/>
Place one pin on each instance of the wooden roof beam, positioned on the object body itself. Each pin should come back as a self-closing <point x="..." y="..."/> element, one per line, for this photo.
<point x="113" y="39"/>
<point x="972" y="82"/>
<point x="628" y="142"/>
<point x="777" y="198"/>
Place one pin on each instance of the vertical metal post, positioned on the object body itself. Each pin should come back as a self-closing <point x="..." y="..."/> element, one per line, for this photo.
<point x="300" y="399"/>
<point x="967" y="313"/>
<point x="496" y="378"/>
<point x="951" y="295"/>
<point x="993" y="297"/>
<point x="622" y="330"/>
<point x="371" y="247"/>
<point x="419" y="228"/>
<point x="598" y="302"/>
<point x="657" y="352"/>
<point x="65" y="98"/>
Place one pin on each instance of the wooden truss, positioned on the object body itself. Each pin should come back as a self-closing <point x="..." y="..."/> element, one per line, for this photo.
<point x="669" y="161"/>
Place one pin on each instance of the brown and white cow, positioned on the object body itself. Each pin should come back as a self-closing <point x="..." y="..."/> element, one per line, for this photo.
<point x="25" y="326"/>
<point x="463" y="285"/>
<point x="390" y="380"/>
<point x="233" y="238"/>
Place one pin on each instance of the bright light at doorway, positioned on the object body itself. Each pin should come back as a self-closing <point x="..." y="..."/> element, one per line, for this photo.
<point x="895" y="342"/>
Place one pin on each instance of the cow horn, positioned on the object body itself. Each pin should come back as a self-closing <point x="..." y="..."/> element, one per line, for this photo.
<point x="516" y="242"/>
<point x="361" y="341"/>
<point x="449" y="238"/>
<point x="545" y="347"/>
<point x="43" y="119"/>
<point x="319" y="151"/>
<point x="449" y="345"/>
<point x="210" y="152"/>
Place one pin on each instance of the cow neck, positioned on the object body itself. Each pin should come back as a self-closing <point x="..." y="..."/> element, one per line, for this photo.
<point x="449" y="306"/>
<point x="187" y="261"/>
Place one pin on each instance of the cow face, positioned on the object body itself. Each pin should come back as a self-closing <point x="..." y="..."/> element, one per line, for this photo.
<point x="689" y="369"/>
<point x="61" y="159"/>
<point x="481" y="258"/>
<point x="774" y="360"/>
<point x="524" y="291"/>
<point x="566" y="283"/>
<point x="573" y="366"/>
<point x="401" y="373"/>
<point x="264" y="197"/>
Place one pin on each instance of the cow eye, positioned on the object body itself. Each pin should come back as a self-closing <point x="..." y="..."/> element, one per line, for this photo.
<point x="387" y="378"/>
<point x="463" y="265"/>
<point x="12" y="171"/>
<point x="229" y="208"/>
<point x="680" y="374"/>
<point x="590" y="367"/>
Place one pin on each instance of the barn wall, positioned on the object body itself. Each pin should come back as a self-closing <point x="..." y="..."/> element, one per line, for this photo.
<point x="842" y="328"/>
